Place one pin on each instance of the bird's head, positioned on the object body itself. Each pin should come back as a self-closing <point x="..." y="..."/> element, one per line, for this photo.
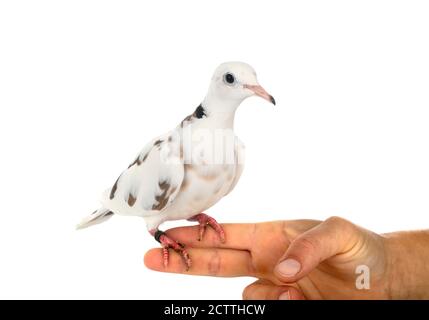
<point x="233" y="82"/>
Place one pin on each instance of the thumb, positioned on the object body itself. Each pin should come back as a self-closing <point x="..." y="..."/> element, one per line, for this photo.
<point x="331" y="237"/>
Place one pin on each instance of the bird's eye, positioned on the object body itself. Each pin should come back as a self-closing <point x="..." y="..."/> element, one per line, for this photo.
<point x="229" y="78"/>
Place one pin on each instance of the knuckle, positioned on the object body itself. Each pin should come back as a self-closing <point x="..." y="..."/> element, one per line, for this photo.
<point x="248" y="292"/>
<point x="341" y="225"/>
<point x="338" y="221"/>
<point x="309" y="243"/>
<point x="214" y="264"/>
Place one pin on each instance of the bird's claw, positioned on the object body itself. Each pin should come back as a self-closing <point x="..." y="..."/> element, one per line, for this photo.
<point x="168" y="243"/>
<point x="205" y="220"/>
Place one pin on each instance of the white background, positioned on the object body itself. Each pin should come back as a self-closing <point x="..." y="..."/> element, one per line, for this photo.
<point x="85" y="84"/>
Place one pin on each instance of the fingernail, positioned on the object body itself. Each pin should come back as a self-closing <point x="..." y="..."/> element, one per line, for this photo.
<point x="284" y="296"/>
<point x="288" y="267"/>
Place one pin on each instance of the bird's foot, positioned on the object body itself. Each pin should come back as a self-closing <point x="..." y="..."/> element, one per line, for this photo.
<point x="168" y="243"/>
<point x="205" y="220"/>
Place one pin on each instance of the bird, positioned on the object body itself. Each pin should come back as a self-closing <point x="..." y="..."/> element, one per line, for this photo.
<point x="180" y="174"/>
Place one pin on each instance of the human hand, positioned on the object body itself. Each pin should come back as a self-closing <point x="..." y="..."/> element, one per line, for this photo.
<point x="300" y="259"/>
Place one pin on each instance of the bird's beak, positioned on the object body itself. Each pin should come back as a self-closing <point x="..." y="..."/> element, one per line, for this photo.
<point x="259" y="91"/>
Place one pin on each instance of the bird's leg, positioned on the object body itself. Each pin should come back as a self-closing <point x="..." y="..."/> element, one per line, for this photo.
<point x="167" y="243"/>
<point x="205" y="220"/>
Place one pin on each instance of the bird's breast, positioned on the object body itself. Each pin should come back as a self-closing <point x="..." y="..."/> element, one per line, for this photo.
<point x="202" y="187"/>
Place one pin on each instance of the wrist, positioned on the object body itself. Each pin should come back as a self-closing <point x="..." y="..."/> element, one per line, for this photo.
<point x="407" y="259"/>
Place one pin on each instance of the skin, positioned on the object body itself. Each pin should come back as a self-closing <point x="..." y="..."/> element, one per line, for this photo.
<point x="328" y="253"/>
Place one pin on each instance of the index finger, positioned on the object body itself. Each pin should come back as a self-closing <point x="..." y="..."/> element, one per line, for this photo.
<point x="237" y="236"/>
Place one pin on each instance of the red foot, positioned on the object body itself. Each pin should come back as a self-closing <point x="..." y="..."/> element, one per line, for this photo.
<point x="167" y="243"/>
<point x="204" y="221"/>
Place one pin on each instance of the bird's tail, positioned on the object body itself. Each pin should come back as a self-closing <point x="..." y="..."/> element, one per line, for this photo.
<point x="96" y="217"/>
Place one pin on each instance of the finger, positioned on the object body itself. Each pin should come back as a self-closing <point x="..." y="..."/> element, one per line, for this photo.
<point x="205" y="262"/>
<point x="331" y="237"/>
<point x="264" y="290"/>
<point x="238" y="236"/>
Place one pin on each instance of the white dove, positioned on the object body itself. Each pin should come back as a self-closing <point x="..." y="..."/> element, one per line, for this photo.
<point x="184" y="172"/>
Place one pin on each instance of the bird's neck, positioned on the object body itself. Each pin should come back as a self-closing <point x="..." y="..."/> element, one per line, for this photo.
<point x="221" y="112"/>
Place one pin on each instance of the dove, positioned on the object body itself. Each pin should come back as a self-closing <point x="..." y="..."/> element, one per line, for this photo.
<point x="187" y="170"/>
